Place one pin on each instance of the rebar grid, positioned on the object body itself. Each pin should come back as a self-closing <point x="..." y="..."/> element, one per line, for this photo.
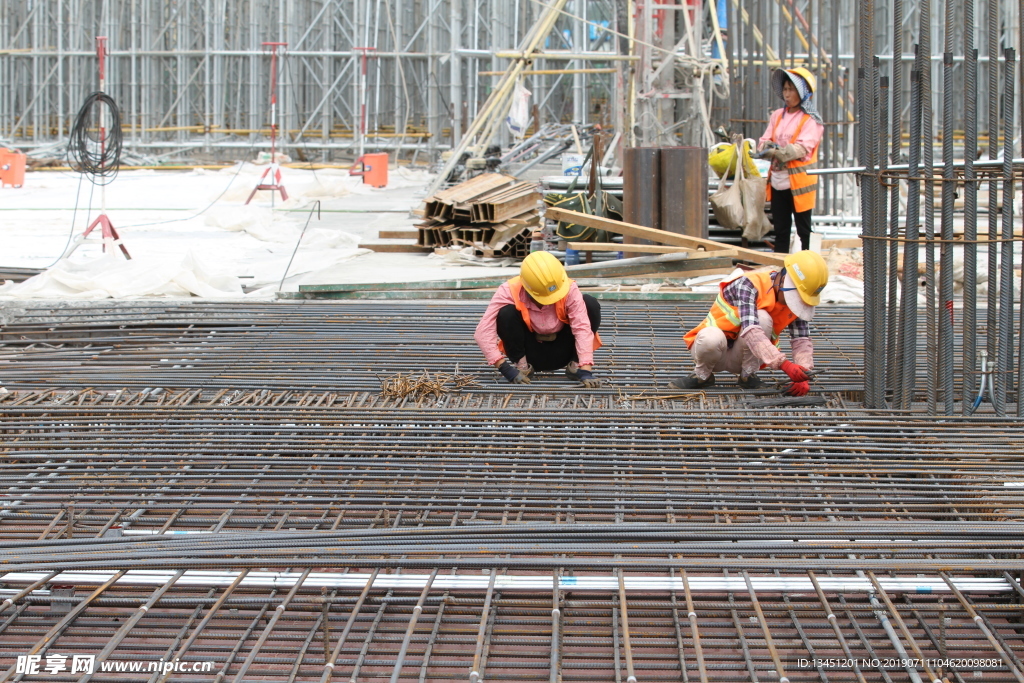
<point x="204" y="354"/>
<point x="520" y="634"/>
<point x="251" y="516"/>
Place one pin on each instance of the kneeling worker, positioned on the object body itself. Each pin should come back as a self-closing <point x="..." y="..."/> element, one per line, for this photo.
<point x="741" y="332"/>
<point x="541" y="321"/>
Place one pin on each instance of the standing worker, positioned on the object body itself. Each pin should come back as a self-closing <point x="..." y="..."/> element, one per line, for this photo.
<point x="540" y="320"/>
<point x="791" y="141"/>
<point x="741" y="332"/>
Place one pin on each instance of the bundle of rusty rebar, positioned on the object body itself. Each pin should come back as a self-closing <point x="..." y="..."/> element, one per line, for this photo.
<point x="419" y="386"/>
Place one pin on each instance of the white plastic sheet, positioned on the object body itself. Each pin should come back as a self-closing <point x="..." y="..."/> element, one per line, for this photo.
<point x="111" y="276"/>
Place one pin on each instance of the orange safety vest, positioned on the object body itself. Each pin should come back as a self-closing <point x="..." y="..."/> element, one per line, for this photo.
<point x="803" y="186"/>
<point x="726" y="317"/>
<point x="515" y="286"/>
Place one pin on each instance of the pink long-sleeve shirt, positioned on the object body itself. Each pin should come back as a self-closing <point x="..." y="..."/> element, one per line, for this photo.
<point x="809" y="139"/>
<point x="544" y="320"/>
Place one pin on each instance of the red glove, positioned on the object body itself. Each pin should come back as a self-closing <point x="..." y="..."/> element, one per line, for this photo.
<point x="796" y="372"/>
<point x="798" y="388"/>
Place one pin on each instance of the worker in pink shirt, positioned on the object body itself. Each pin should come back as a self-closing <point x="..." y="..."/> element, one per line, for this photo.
<point x="540" y="321"/>
<point x="791" y="141"/>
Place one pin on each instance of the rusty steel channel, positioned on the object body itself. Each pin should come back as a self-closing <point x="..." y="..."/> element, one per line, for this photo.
<point x="250" y="521"/>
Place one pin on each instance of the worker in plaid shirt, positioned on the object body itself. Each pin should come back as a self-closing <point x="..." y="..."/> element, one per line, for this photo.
<point x="740" y="334"/>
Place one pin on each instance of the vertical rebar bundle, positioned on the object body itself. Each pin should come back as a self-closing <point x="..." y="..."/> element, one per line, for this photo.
<point x="1004" y="348"/>
<point x="946" y="349"/>
<point x="992" y="312"/>
<point x="928" y="214"/>
<point x="970" y="209"/>
<point x="894" y="374"/>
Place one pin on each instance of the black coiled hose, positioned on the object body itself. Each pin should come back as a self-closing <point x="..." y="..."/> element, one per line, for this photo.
<point x="100" y="161"/>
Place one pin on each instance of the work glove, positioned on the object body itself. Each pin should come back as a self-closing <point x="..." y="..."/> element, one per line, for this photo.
<point x="796" y="372"/>
<point x="766" y="150"/>
<point x="790" y="152"/>
<point x="513" y="374"/>
<point x="798" y="388"/>
<point x="587" y="379"/>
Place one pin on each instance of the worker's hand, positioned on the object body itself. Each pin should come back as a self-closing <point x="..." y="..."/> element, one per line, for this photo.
<point x="587" y="379"/>
<point x="798" y="388"/>
<point x="513" y="374"/>
<point x="796" y="372"/>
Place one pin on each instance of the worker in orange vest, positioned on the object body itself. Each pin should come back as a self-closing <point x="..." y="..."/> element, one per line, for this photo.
<point x="741" y="332"/>
<point x="540" y="321"/>
<point x="791" y="141"/>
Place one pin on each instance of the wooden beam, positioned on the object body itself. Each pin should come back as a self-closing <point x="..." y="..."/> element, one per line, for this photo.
<point x="643" y="265"/>
<point x="398" y="234"/>
<point x="664" y="237"/>
<point x="649" y="249"/>
<point x="615" y="246"/>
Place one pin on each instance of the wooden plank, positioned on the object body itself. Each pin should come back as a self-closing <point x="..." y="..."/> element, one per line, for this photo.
<point x="685" y="275"/>
<point x="662" y="263"/>
<point x="846" y="243"/>
<point x="662" y="236"/>
<point x="648" y="248"/>
<point x="398" y="234"/>
<point x="391" y="247"/>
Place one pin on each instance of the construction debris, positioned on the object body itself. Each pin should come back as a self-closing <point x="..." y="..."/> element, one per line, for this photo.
<point x="493" y="213"/>
<point x="401" y="385"/>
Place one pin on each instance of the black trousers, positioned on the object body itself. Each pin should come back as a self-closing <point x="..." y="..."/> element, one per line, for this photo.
<point x="519" y="341"/>
<point x="783" y="217"/>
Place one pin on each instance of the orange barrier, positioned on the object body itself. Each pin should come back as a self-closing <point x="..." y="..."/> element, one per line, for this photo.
<point x="12" y="168"/>
<point x="374" y="169"/>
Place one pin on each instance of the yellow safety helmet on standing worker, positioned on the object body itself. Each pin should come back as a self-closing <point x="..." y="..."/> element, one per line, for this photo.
<point x="544" y="278"/>
<point x="801" y="78"/>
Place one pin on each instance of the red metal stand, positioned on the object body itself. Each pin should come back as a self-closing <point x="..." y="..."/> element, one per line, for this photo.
<point x="109" y="233"/>
<point x="274" y="170"/>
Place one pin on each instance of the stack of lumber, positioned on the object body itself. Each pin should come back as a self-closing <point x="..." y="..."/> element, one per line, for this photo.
<point x="492" y="213"/>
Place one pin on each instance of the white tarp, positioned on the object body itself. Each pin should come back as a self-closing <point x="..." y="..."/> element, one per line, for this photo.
<point x="111" y="276"/>
<point x="191" y="234"/>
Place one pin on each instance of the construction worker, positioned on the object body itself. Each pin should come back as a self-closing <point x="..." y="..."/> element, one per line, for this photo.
<point x="541" y="321"/>
<point x="741" y="332"/>
<point x="791" y="141"/>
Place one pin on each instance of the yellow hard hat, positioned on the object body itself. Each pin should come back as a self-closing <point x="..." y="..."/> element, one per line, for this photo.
<point x="801" y="78"/>
<point x="544" y="278"/>
<point x="809" y="273"/>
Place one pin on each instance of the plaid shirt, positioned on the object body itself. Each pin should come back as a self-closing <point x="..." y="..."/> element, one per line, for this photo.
<point x="742" y="294"/>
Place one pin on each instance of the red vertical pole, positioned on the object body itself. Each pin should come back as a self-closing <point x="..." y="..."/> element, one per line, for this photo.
<point x="274" y="47"/>
<point x="362" y="108"/>
<point x="273" y="170"/>
<point x="363" y="60"/>
<point x="101" y="58"/>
